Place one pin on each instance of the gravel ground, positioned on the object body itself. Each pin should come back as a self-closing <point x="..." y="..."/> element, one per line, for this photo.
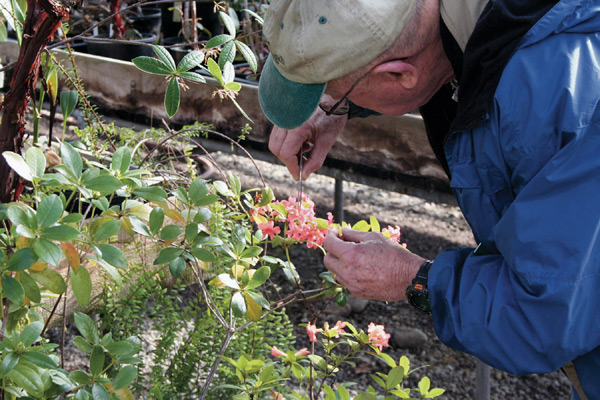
<point x="427" y="228"/>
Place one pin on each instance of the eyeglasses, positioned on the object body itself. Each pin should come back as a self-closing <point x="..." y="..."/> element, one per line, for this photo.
<point x="339" y="108"/>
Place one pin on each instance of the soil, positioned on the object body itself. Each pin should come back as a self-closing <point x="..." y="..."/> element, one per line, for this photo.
<point x="427" y="228"/>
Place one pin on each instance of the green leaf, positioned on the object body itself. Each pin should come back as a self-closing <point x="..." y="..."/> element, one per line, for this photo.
<point x="97" y="360"/>
<point x="168" y="254"/>
<point x="28" y="379"/>
<point x="18" y="164"/>
<point x="151" y="193"/>
<point x="81" y="283"/>
<point x="61" y="233"/>
<point x="82" y="344"/>
<point x="71" y="159"/>
<point x="233" y="86"/>
<point x="3" y="33"/>
<point x="318" y="361"/>
<point x="228" y="22"/>
<point x="435" y="392"/>
<point x="228" y="281"/>
<point x="215" y="71"/>
<point x="258" y="298"/>
<point x="125" y="377"/>
<point x="343" y="392"/>
<point x="218" y="40"/>
<point x="106" y="184"/>
<point x="266" y="196"/>
<point x="68" y="102"/>
<point x="236" y="185"/>
<point x="207" y="200"/>
<point x="8" y="363"/>
<point x="35" y="159"/>
<point x="362" y="226"/>
<point x="238" y="304"/>
<point x="48" y="252"/>
<point x="227" y="55"/>
<point x="152" y="65"/>
<point x="203" y="254"/>
<point x="164" y="56"/>
<point x="120" y="348"/>
<point x="81" y="377"/>
<point x="172" y="97"/>
<point x="31" y="288"/>
<point x="22" y="259"/>
<point x="228" y="73"/>
<point x="157" y="217"/>
<point x="121" y="159"/>
<point x="197" y="191"/>
<point x="170" y="232"/>
<point x="191" y="60"/>
<point x="424" y="385"/>
<point x="374" y="224"/>
<point x="251" y="252"/>
<point x="395" y="377"/>
<point x="40" y="359"/>
<point x="19" y="216"/>
<point x="248" y="55"/>
<point x="192" y="76"/>
<point x="31" y="333"/>
<point x="109" y="228"/>
<point x="13" y="289"/>
<point x="203" y="215"/>
<point x="99" y="392"/>
<point x="177" y="267"/>
<point x="238" y="239"/>
<point x="260" y="276"/>
<point x="86" y="327"/>
<point x="50" y="279"/>
<point x="112" y="255"/>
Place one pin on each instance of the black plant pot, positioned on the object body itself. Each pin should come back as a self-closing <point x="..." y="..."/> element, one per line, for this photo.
<point x="150" y="21"/>
<point x="120" y="50"/>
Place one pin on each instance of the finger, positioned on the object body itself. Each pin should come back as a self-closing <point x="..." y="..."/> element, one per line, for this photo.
<point x="335" y="245"/>
<point x="351" y="235"/>
<point x="276" y="140"/>
<point x="315" y="160"/>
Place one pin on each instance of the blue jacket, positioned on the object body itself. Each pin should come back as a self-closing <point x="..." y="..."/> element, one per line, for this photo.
<point x="527" y="178"/>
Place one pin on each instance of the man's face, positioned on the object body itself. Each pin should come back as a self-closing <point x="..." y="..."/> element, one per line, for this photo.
<point x="383" y="91"/>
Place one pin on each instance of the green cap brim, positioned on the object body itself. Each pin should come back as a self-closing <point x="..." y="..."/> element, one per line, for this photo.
<point x="287" y="104"/>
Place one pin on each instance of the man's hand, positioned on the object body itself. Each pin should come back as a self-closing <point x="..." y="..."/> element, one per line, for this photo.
<point x="370" y="265"/>
<point x="320" y="130"/>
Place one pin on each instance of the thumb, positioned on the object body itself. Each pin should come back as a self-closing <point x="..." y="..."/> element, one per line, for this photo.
<point x="351" y="235"/>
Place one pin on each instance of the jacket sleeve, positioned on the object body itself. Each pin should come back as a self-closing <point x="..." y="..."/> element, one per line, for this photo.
<point x="533" y="305"/>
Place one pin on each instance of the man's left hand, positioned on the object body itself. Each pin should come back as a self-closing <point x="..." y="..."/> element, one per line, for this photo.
<point x="370" y="265"/>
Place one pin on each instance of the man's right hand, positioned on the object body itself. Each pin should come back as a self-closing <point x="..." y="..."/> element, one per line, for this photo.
<point x="320" y="130"/>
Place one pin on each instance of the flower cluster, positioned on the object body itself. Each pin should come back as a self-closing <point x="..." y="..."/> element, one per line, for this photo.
<point x="300" y="222"/>
<point x="377" y="337"/>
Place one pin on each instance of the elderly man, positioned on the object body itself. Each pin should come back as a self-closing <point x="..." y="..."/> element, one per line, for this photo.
<point x="509" y="93"/>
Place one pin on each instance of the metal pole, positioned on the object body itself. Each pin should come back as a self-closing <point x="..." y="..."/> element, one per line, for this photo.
<point x="338" y="199"/>
<point x="482" y="381"/>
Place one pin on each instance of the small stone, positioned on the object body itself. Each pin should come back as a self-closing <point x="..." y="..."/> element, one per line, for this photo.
<point x="409" y="338"/>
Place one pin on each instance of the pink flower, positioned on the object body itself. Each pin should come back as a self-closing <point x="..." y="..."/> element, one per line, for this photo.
<point x="377" y="336"/>
<point x="275" y="352"/>
<point x="339" y="327"/>
<point x="269" y="229"/>
<point x="394" y="232"/>
<point x="312" y="331"/>
<point x="302" y="352"/>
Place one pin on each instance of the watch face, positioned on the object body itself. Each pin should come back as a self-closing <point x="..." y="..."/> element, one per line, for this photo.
<point x="419" y="300"/>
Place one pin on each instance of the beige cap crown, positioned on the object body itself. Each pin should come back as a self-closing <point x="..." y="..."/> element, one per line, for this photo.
<point x="315" y="41"/>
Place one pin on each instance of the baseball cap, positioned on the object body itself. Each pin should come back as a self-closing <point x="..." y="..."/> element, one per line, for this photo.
<point x="314" y="41"/>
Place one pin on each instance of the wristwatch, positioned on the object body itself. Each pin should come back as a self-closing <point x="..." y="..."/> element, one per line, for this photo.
<point x="417" y="293"/>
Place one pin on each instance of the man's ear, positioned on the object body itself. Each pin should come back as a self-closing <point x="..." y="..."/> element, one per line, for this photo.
<point x="398" y="72"/>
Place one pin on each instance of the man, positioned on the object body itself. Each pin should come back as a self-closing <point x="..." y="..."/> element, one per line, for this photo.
<point x="509" y="93"/>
